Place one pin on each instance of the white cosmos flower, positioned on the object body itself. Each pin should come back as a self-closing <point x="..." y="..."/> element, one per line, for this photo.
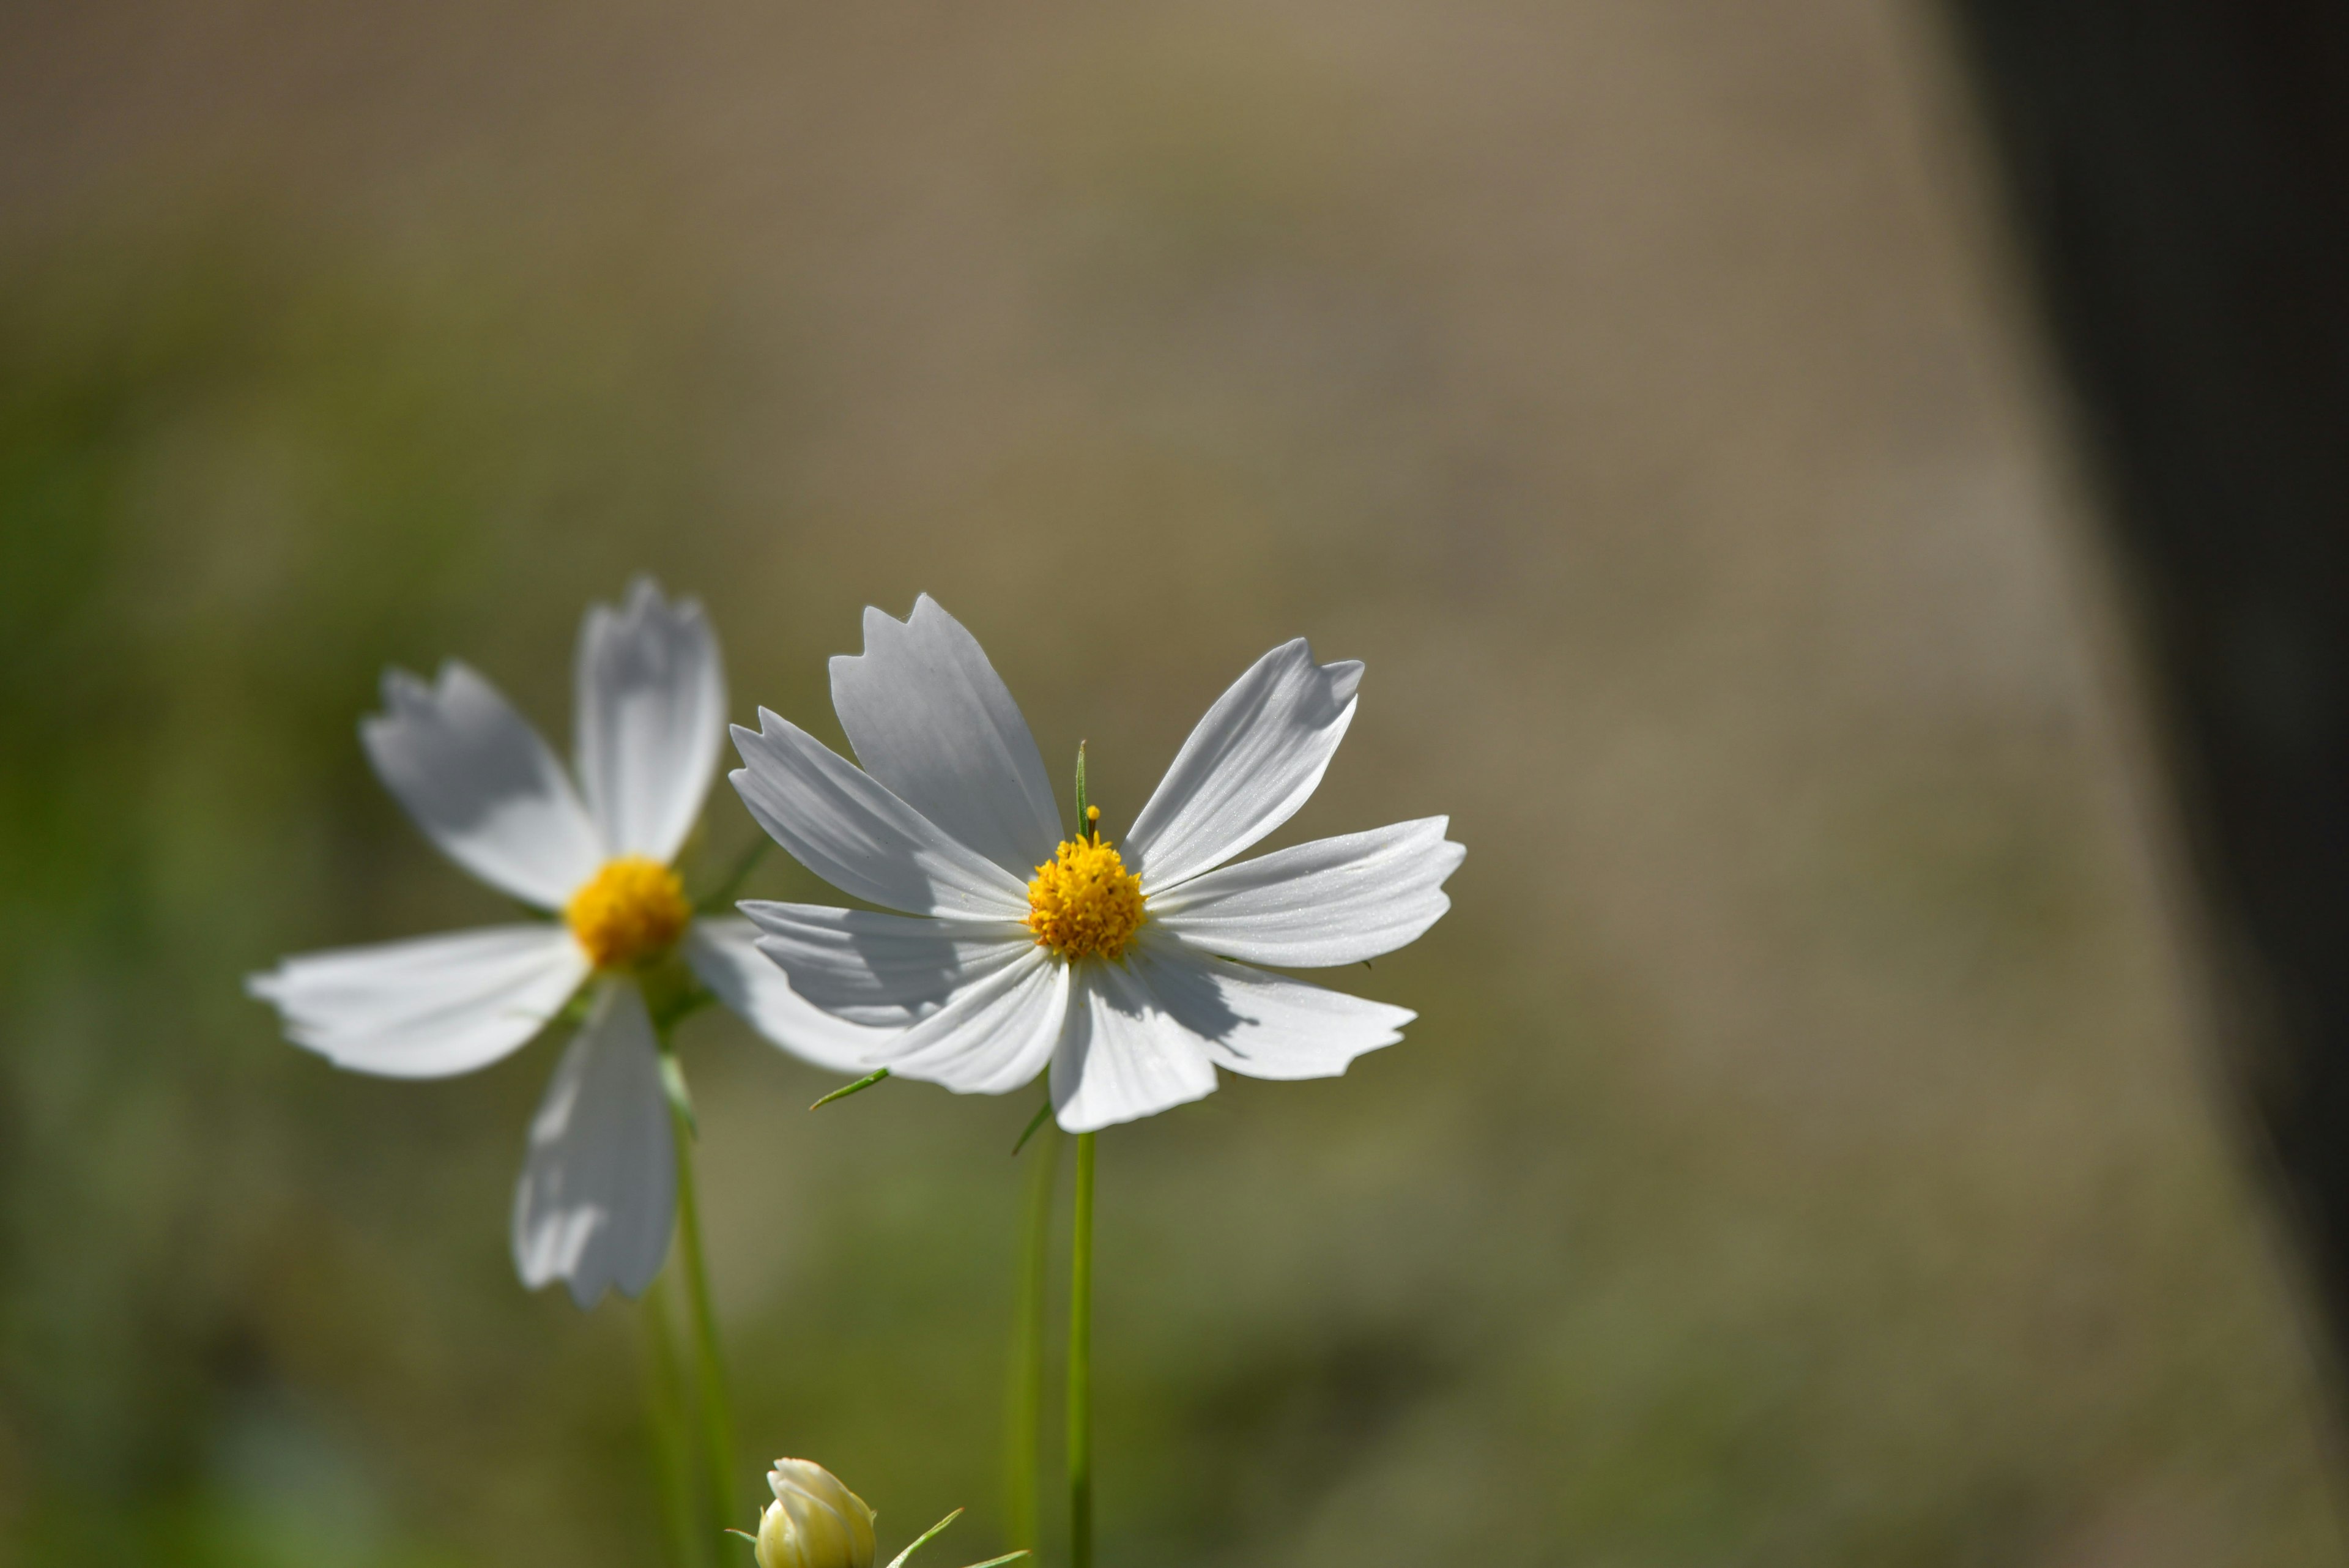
<point x="599" y="1188"/>
<point x="1114" y="964"/>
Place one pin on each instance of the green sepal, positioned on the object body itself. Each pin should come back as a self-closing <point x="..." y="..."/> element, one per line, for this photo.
<point x="678" y="1006"/>
<point x="1083" y="826"/>
<point x="673" y="993"/>
<point x="575" y="1012"/>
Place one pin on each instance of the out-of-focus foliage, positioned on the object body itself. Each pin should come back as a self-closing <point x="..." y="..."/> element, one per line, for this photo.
<point x="1801" y="1156"/>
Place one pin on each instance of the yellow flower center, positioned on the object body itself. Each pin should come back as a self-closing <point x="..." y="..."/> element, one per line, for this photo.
<point x="1084" y="902"/>
<point x="631" y="910"/>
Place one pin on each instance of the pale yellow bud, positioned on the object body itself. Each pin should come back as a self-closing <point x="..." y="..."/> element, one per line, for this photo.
<point x="814" y="1521"/>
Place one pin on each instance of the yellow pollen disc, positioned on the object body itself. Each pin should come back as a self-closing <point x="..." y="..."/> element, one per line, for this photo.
<point x="1084" y="902"/>
<point x="631" y="910"/>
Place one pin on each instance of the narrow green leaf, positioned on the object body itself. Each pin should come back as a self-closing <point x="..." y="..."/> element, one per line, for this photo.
<point x="924" y="1539"/>
<point x="847" y="1089"/>
<point x="1033" y="1123"/>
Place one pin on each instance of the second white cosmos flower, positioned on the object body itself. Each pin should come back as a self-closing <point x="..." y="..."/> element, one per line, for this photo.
<point x="1112" y="962"/>
<point x="598" y="1191"/>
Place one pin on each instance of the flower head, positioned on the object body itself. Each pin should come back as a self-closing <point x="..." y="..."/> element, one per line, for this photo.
<point x="1125" y="967"/>
<point x="814" y="1520"/>
<point x="1084" y="902"/>
<point x="817" y="1522"/>
<point x="629" y="913"/>
<point x="597" y="1191"/>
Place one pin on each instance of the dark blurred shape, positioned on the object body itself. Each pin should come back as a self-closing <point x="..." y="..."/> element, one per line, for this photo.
<point x="2181" y="173"/>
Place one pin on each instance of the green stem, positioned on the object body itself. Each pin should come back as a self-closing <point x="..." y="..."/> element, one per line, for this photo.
<point x="1023" y="1430"/>
<point x="672" y="1450"/>
<point x="717" y="900"/>
<point x="710" y="1371"/>
<point x="1081" y="1363"/>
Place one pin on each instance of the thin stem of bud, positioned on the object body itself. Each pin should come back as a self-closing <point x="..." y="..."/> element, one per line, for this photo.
<point x="672" y="1448"/>
<point x="710" y="1369"/>
<point x="718" y="899"/>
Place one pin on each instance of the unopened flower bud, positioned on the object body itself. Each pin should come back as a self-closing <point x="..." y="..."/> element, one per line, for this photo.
<point x="814" y="1521"/>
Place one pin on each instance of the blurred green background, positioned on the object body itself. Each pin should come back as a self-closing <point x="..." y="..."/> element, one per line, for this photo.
<point x="1808" y="1152"/>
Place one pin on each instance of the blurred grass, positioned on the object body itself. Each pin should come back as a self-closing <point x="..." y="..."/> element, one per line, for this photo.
<point x="1801" y="1157"/>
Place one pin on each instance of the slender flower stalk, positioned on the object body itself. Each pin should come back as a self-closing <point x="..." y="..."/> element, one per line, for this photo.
<point x="1081" y="1363"/>
<point x="1023" y="1426"/>
<point x="708" y="1363"/>
<point x="688" y="1540"/>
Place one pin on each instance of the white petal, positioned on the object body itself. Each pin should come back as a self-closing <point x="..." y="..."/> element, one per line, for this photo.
<point x="1332" y="901"/>
<point x="481" y="783"/>
<point x="722" y="952"/>
<point x="1258" y="755"/>
<point x="427" y="1007"/>
<point x="929" y="717"/>
<point x="598" y="1191"/>
<point x="651" y="697"/>
<point x="850" y="830"/>
<point x="1122" y="1056"/>
<point x="875" y="969"/>
<point x="1265" y="1025"/>
<point x="992" y="1035"/>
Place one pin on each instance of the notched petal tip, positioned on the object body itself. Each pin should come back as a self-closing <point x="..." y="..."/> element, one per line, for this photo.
<point x="649" y="699"/>
<point x="928" y="716"/>
<point x="851" y="830"/>
<point x="478" y="781"/>
<point x="1327" y="902"/>
<point x="596" y="1197"/>
<point x="401" y="687"/>
<point x="425" y="1007"/>
<point x="645" y="596"/>
<point x="1248" y="766"/>
<point x="1344" y="676"/>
